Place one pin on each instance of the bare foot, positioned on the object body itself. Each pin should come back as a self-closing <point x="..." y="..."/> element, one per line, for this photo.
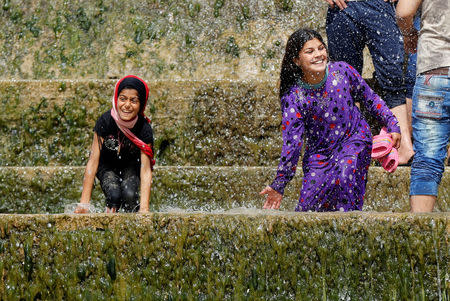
<point x="448" y="156"/>
<point x="404" y="156"/>
<point x="405" y="151"/>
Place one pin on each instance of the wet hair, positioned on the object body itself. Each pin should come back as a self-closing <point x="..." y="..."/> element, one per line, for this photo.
<point x="290" y="72"/>
<point x="128" y="87"/>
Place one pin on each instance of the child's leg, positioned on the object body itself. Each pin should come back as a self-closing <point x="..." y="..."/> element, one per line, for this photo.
<point x="386" y="47"/>
<point x="353" y="166"/>
<point x="405" y="151"/>
<point x="130" y="190"/>
<point x="431" y="130"/>
<point x="110" y="184"/>
<point x="385" y="44"/>
<point x="338" y="182"/>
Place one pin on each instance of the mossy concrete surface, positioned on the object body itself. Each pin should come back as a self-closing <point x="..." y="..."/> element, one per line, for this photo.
<point x="247" y="255"/>
<point x="217" y="141"/>
<point x="207" y="188"/>
<point x="195" y="122"/>
<point x="152" y="38"/>
<point x="216" y="122"/>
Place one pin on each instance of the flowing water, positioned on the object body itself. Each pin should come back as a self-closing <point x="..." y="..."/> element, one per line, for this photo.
<point x="212" y="68"/>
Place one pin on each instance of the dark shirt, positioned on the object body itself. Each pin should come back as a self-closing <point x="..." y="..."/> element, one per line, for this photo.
<point x="117" y="151"/>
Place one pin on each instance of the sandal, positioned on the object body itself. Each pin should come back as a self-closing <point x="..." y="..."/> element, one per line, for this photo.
<point x="390" y="162"/>
<point x="382" y="144"/>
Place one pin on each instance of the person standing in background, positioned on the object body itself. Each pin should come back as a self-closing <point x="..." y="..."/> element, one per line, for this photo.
<point x="410" y="78"/>
<point x="353" y="24"/>
<point x="431" y="96"/>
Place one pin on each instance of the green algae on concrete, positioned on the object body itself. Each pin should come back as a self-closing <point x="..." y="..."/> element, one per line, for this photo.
<point x="41" y="190"/>
<point x="154" y="38"/>
<point x="207" y="188"/>
<point x="49" y="122"/>
<point x="247" y="255"/>
<point x="197" y="123"/>
<point x="214" y="122"/>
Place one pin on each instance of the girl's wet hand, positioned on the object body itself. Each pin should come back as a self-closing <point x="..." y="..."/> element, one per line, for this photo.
<point x="143" y="210"/>
<point x="396" y="139"/>
<point x="273" y="199"/>
<point x="339" y="3"/>
<point x="81" y="209"/>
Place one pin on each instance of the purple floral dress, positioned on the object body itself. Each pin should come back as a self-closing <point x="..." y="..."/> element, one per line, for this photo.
<point x="338" y="140"/>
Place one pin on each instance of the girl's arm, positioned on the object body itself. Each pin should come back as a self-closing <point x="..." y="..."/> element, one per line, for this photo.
<point x="89" y="173"/>
<point x="292" y="132"/>
<point x="373" y="103"/>
<point x="146" y="183"/>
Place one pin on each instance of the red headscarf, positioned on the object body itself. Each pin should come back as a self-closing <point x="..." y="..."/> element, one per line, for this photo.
<point x="126" y="126"/>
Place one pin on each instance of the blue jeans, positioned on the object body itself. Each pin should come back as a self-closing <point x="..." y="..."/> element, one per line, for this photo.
<point x="431" y="132"/>
<point x="370" y="23"/>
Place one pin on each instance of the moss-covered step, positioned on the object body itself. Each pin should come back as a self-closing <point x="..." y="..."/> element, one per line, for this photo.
<point x="229" y="256"/>
<point x="153" y="38"/>
<point x="222" y="122"/>
<point x="195" y="122"/>
<point x="208" y="188"/>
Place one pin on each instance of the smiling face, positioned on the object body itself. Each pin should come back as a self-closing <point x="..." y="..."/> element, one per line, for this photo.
<point x="128" y="104"/>
<point x="312" y="59"/>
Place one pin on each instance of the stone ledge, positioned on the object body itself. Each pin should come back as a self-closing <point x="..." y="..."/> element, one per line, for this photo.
<point x="234" y="255"/>
<point x="205" y="188"/>
<point x="155" y="39"/>
<point x="216" y="122"/>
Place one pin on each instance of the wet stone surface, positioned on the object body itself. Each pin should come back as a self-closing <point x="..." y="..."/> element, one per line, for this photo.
<point x="154" y="39"/>
<point x="212" y="68"/>
<point x="249" y="254"/>
<point x="202" y="188"/>
<point x="216" y="122"/>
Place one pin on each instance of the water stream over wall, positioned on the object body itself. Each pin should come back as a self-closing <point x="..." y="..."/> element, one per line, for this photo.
<point x="246" y="255"/>
<point x="212" y="67"/>
<point x="157" y="39"/>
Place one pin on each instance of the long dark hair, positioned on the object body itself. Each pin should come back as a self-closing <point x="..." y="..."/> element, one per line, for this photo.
<point x="290" y="72"/>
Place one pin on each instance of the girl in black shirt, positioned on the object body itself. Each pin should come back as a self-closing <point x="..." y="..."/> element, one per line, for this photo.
<point x="121" y="152"/>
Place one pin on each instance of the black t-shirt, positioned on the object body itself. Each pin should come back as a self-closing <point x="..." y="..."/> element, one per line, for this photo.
<point x="117" y="151"/>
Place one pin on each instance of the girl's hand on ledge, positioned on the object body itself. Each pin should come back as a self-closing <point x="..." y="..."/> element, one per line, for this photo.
<point x="273" y="199"/>
<point x="82" y="208"/>
<point x="143" y="210"/>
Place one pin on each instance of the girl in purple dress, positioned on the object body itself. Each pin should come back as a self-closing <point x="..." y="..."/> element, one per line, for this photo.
<point x="318" y="108"/>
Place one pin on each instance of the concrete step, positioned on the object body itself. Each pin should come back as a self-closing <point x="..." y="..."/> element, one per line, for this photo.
<point x="240" y="255"/>
<point x="199" y="39"/>
<point x="201" y="188"/>
<point x="195" y="122"/>
<point x="154" y="39"/>
<point x="216" y="122"/>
